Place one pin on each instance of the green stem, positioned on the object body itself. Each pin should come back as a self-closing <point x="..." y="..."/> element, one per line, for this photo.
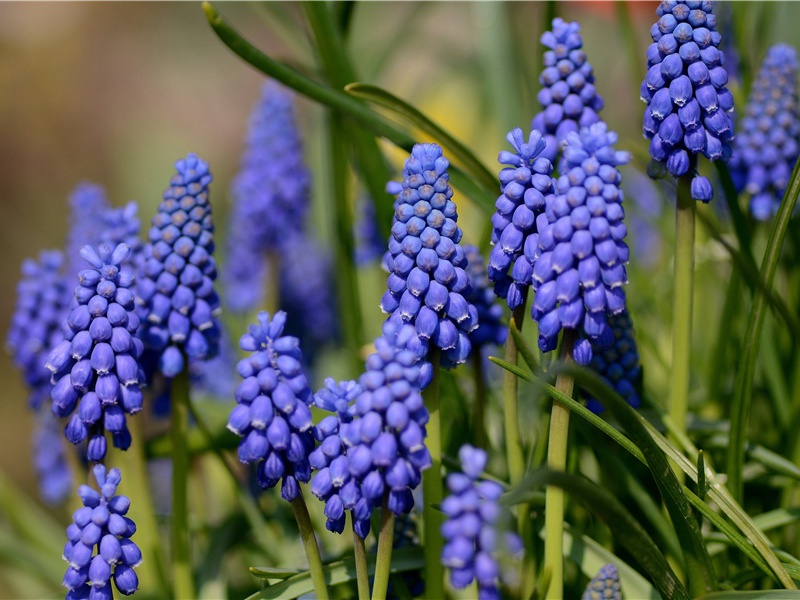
<point x="309" y="540"/>
<point x="360" y="553"/>
<point x="383" y="561"/>
<point x="183" y="580"/>
<point x="479" y="415"/>
<point x="557" y="461"/>
<point x="682" y="303"/>
<point x="432" y="490"/>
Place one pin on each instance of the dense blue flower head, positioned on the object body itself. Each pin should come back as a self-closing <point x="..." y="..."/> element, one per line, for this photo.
<point x="121" y="225"/>
<point x="216" y="376"/>
<point x="568" y="97"/>
<point x="427" y="280"/>
<point x="42" y="304"/>
<point x="370" y="244"/>
<point x="88" y="205"/>
<point x="98" y="545"/>
<point x="176" y="296"/>
<point x="491" y="330"/>
<point x="605" y="585"/>
<point x="95" y="367"/>
<point x="526" y="183"/>
<point x="579" y="269"/>
<point x="766" y="148"/>
<point x="689" y="108"/>
<point x="473" y="529"/>
<point x="50" y="459"/>
<point x="619" y="364"/>
<point x="273" y="412"/>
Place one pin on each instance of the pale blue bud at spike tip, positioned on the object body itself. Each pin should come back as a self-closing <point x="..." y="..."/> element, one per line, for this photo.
<point x="618" y="364"/>
<point x="99" y="546"/>
<point x="526" y="183"/>
<point x="689" y="108"/>
<point x="766" y="147"/>
<point x="579" y="267"/>
<point x="604" y="586"/>
<point x="475" y="527"/>
<point x="491" y="329"/>
<point x="177" y="300"/>
<point x="96" y="371"/>
<point x="427" y="278"/>
<point x="568" y="97"/>
<point x="272" y="412"/>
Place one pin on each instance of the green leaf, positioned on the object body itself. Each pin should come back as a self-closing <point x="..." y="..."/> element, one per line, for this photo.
<point x="523" y="348"/>
<point x="275" y="572"/>
<point x="414" y="116"/>
<point x="625" y="529"/>
<point x="740" y="407"/>
<point x="765" y="595"/>
<point x="337" y="573"/>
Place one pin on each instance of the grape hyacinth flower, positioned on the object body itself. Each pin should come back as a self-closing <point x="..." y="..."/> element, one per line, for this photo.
<point x="491" y="330"/>
<point x="42" y="303"/>
<point x="689" y="108"/>
<point x="272" y="413"/>
<point x="427" y="281"/>
<point x="568" y="97"/>
<point x="618" y="364"/>
<point x="333" y="483"/>
<point x="766" y="148"/>
<point x="88" y="205"/>
<point x="95" y="367"/>
<point x="370" y="244"/>
<point x="99" y="545"/>
<point x="121" y="225"/>
<point x="50" y="460"/>
<point x="526" y="183"/>
<point x="605" y="585"/>
<point x="579" y="269"/>
<point x="473" y="528"/>
<point x="176" y="295"/>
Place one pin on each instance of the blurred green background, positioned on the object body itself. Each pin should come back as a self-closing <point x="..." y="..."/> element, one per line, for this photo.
<point x="114" y="92"/>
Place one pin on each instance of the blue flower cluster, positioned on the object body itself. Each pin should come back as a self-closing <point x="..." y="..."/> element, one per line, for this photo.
<point x="176" y="295"/>
<point x="42" y="304"/>
<point x="568" y="97"/>
<point x="688" y="106"/>
<point x="605" y="585"/>
<point x="95" y="367"/>
<point x="427" y="281"/>
<point x="579" y="269"/>
<point x="491" y="330"/>
<point x="370" y="244"/>
<point x="99" y="544"/>
<point x="618" y="364"/>
<point x="121" y="226"/>
<point x="50" y="459"/>
<point x="766" y="148"/>
<point x="88" y="205"/>
<point x="526" y="183"/>
<point x="473" y="528"/>
<point x="273" y="412"/>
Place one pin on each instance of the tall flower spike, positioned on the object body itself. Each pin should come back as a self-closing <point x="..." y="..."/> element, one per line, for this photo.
<point x="95" y="367"/>
<point x="99" y="545"/>
<point x="688" y="106"/>
<point x="272" y="413"/>
<point x="473" y="528"/>
<point x="88" y="205"/>
<point x="605" y="585"/>
<point x="176" y="294"/>
<point x="568" y="97"/>
<point x="491" y="330"/>
<point x="619" y="364"/>
<point x="579" y="270"/>
<point x="121" y="225"/>
<point x="766" y="148"/>
<point x="50" y="459"/>
<point x="526" y="182"/>
<point x="427" y="281"/>
<point x="386" y="449"/>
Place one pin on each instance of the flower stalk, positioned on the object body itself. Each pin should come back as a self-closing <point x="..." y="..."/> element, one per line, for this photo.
<point x="384" y="559"/>
<point x="309" y="540"/>
<point x="183" y="580"/>
<point x="432" y="489"/>
<point x="360" y="553"/>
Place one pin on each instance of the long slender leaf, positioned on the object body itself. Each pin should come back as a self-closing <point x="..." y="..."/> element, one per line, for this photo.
<point x="766" y="595"/>
<point x="740" y="407"/>
<point x="623" y="526"/>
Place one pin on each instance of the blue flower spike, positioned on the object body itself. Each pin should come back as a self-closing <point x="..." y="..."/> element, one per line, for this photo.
<point x="689" y="108"/>
<point x="427" y="277"/>
<point x="95" y="367"/>
<point x="99" y="546"/>
<point x="474" y="528"/>
<point x="618" y="364"/>
<point x="605" y="585"/>
<point x="272" y="413"/>
<point x="568" y="97"/>
<point x="176" y="295"/>
<point x="766" y="147"/>
<point x="579" y="270"/>
<point x="490" y="314"/>
<point x="526" y="183"/>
